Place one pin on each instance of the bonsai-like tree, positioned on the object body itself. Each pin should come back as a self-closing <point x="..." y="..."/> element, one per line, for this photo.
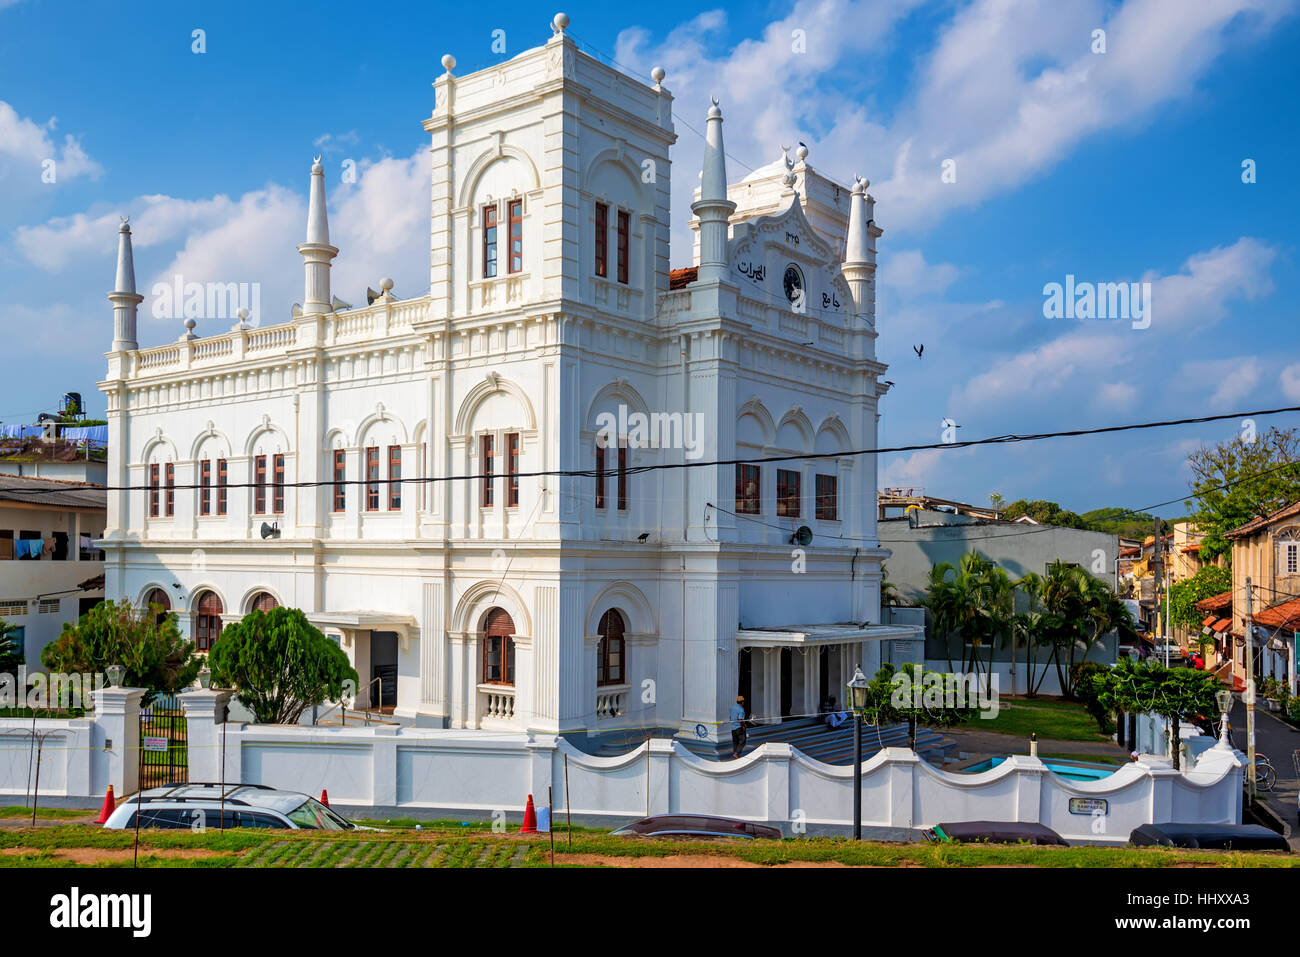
<point x="148" y="645"/>
<point x="1172" y="693"/>
<point x="279" y="665"/>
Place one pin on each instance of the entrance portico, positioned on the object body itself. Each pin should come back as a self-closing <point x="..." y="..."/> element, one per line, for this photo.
<point x="789" y="671"/>
<point x="372" y="640"/>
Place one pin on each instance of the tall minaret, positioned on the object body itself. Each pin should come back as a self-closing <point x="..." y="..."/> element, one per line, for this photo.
<point x="859" y="266"/>
<point x="317" y="251"/>
<point x="713" y="209"/>
<point x="123" y="297"/>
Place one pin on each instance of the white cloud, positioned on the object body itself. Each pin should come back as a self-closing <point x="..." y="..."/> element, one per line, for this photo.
<point x="25" y="146"/>
<point x="1117" y="393"/>
<point x="1230" y="379"/>
<point x="907" y="274"/>
<point x="1010" y="88"/>
<point x="1290" y="382"/>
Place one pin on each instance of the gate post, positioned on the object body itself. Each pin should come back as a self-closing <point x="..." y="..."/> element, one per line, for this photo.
<point x="115" y="741"/>
<point x="205" y="712"/>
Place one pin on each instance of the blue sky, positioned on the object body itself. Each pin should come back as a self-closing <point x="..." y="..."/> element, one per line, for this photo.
<point x="1115" y="166"/>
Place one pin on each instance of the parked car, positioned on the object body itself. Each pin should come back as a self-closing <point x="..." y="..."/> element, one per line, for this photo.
<point x="194" y="806"/>
<point x="699" y="825"/>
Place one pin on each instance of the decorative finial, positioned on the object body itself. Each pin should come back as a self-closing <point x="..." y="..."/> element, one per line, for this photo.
<point x="802" y="151"/>
<point x="559" y="22"/>
<point x="448" y="62"/>
<point x="658" y="74"/>
<point x="189" y="325"/>
<point x="316" y="166"/>
<point x="385" y="284"/>
<point x="714" y="111"/>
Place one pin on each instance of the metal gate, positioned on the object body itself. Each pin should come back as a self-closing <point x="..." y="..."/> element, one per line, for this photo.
<point x="164" y="747"/>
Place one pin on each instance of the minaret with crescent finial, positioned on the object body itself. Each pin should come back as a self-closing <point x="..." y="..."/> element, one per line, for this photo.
<point x="713" y="208"/>
<point x="124" y="298"/>
<point x="317" y="252"/>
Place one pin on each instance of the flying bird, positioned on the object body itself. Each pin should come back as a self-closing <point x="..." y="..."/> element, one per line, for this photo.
<point x="919" y="349"/>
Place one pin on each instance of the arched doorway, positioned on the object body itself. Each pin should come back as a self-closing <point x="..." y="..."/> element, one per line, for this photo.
<point x="158" y="599"/>
<point x="498" y="647"/>
<point x="262" y="601"/>
<point x="207" y="620"/>
<point x="610" y="659"/>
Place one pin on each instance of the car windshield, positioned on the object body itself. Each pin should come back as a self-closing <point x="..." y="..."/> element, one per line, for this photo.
<point x="312" y="814"/>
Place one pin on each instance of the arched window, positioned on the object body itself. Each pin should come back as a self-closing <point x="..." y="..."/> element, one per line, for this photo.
<point x="262" y="601"/>
<point x="610" y="668"/>
<point x="207" y="620"/>
<point x="157" y="599"/>
<point x="498" y="648"/>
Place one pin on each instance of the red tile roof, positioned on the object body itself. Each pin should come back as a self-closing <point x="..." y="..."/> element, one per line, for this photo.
<point x="1219" y="602"/>
<point x="1255" y="524"/>
<point x="1285" y="615"/>
<point x="681" y="278"/>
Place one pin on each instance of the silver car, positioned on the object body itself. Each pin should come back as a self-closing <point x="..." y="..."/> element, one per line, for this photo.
<point x="202" y="807"/>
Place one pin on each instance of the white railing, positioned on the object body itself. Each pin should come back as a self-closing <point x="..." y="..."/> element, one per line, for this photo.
<point x="160" y="358"/>
<point x="213" y="348"/>
<point x="272" y="337"/>
<point x="498" y="702"/>
<point x="610" y="702"/>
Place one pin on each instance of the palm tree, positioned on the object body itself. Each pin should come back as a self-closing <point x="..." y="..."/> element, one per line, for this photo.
<point x="973" y="599"/>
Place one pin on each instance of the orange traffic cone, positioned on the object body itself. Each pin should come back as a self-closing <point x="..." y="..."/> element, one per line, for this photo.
<point x="324" y="797"/>
<point x="530" y="818"/>
<point x="109" y="805"/>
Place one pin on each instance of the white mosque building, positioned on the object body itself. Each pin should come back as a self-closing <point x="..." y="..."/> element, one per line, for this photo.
<point x="533" y="569"/>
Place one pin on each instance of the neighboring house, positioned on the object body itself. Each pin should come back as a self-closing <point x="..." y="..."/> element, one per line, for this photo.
<point x="923" y="539"/>
<point x="1267" y="551"/>
<point x="50" y="569"/>
<point x="55" y="448"/>
<point x="1184" y="558"/>
<point x="597" y="596"/>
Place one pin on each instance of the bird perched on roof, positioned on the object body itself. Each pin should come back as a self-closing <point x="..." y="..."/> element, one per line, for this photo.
<point x="919" y="349"/>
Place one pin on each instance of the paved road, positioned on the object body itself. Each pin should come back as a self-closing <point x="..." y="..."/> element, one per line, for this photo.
<point x="1278" y="740"/>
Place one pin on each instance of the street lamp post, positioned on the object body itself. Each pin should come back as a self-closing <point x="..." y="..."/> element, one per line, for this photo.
<point x="1223" y="697"/>
<point x="858" y="696"/>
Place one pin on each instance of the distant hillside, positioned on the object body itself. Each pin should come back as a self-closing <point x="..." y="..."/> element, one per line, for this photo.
<point x="1113" y="520"/>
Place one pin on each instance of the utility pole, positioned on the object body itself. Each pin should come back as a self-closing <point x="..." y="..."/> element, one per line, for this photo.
<point x="1249" y="696"/>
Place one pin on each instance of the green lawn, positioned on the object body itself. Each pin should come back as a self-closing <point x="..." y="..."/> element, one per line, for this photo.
<point x="15" y="810"/>
<point x="68" y="846"/>
<point x="1060" y="720"/>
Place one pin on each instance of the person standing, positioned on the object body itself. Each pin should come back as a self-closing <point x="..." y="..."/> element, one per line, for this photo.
<point x="737" y="716"/>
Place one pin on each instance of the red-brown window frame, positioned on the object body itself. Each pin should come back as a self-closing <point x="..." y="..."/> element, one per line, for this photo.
<point x="223" y="473"/>
<point x="207" y="620"/>
<point x="600" y="475"/>
<point x="827" y="498"/>
<point x="505" y="646"/>
<point x="394" y="475"/>
<point x="512" y="470"/>
<point x="372" y="479"/>
<point x="205" y="487"/>
<point x="605" y="675"/>
<point x="277" y="493"/>
<point x="602" y="239"/>
<point x="789" y="493"/>
<point x="746" y="475"/>
<point x="340" y="478"/>
<point x="624" y="229"/>
<point x="488" y="483"/>
<point x="153" y="490"/>
<point x="489" y="241"/>
<point x="170" y="501"/>
<point x="259" y="485"/>
<point x="515" y="232"/>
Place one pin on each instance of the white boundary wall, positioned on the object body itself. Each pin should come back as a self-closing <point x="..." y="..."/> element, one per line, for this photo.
<point x="456" y="770"/>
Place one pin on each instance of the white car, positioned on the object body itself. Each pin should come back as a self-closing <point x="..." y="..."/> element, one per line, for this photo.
<point x="200" y="806"/>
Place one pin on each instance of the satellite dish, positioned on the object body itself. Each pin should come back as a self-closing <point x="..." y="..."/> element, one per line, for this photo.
<point x="802" y="535"/>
